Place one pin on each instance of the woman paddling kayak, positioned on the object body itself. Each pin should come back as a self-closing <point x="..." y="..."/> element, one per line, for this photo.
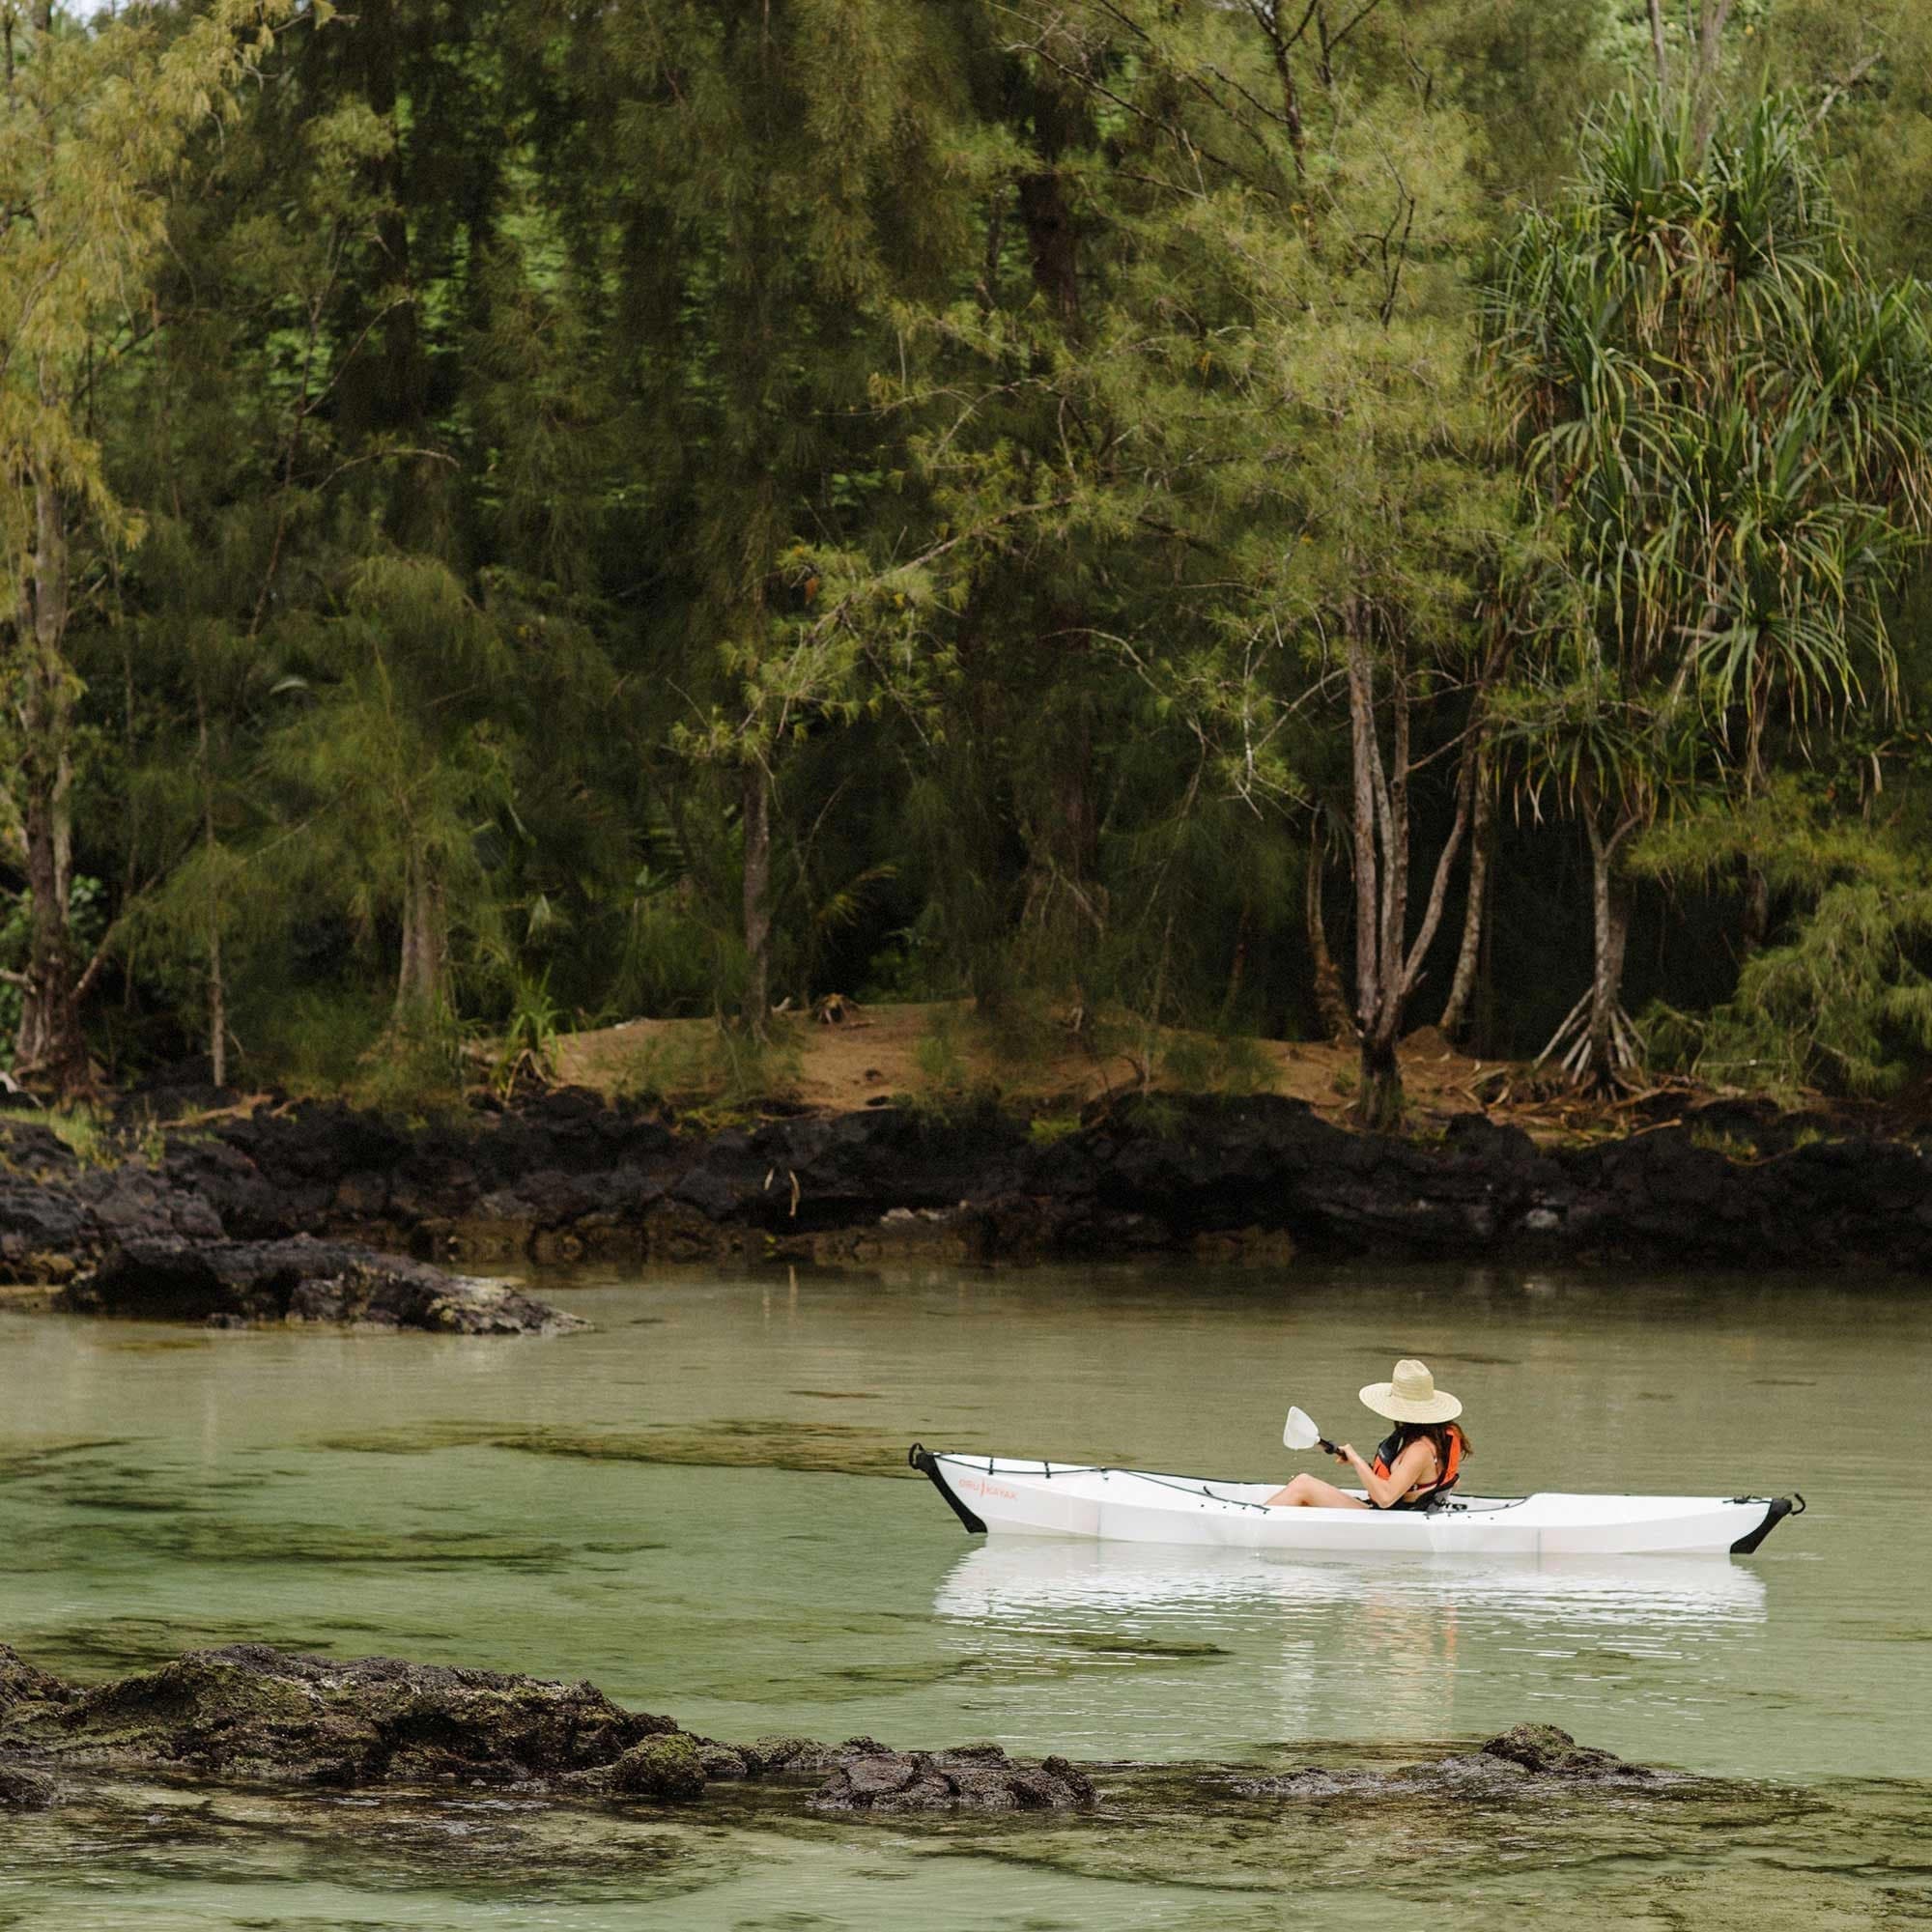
<point x="1413" y="1466"/>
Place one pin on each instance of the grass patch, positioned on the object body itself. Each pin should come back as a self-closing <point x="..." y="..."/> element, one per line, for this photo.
<point x="80" y="1129"/>
<point x="1044" y="1129"/>
<point x="948" y="1089"/>
<point x="1229" y="1065"/>
<point x="710" y="1071"/>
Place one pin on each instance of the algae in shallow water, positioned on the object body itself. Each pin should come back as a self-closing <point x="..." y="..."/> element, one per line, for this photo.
<point x="811" y="1448"/>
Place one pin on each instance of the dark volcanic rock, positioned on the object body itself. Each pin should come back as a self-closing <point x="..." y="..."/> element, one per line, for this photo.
<point x="1509" y="1767"/>
<point x="1554" y="1754"/>
<point x="564" y="1177"/>
<point x="304" y="1280"/>
<point x="251" y="1714"/>
<point x="246" y="1714"/>
<point x="974" y="1777"/>
<point x="668" y="1768"/>
<point x="21" y="1683"/>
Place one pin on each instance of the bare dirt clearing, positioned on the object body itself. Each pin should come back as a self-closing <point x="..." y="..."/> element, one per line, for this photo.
<point x="1032" y="1061"/>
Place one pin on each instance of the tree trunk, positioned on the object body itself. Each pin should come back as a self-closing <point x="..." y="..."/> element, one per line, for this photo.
<point x="1388" y="963"/>
<point x="1364" y="757"/>
<point x="422" y="981"/>
<point x="758" y="817"/>
<point x="1378" y="1091"/>
<point x="1757" y="909"/>
<point x="1468" y="956"/>
<point x="1611" y="915"/>
<point x="48" y="1044"/>
<point x="1052" y="241"/>
<point x="1329" y="1000"/>
<point x="1378" y="1101"/>
<point x="217" y="992"/>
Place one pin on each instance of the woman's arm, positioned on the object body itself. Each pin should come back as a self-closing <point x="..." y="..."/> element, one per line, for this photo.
<point x="1411" y="1467"/>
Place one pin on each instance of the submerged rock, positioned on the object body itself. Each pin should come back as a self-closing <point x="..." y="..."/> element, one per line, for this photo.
<point x="24" y="1790"/>
<point x="1507" y="1765"/>
<point x="235" y="1283"/>
<point x="1551" y="1752"/>
<point x="974" y="1777"/>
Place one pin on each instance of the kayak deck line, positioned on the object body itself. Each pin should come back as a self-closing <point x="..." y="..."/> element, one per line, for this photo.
<point x="994" y="1495"/>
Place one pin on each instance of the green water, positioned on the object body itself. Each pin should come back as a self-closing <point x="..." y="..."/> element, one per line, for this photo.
<point x="694" y="1508"/>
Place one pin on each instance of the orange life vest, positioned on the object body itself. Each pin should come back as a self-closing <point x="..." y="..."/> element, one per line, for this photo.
<point x="1391" y="1446"/>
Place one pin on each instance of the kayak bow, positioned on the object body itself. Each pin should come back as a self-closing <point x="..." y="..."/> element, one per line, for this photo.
<point x="1004" y="1496"/>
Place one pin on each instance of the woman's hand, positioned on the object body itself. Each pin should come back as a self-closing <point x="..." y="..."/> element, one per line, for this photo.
<point x="1345" y="1453"/>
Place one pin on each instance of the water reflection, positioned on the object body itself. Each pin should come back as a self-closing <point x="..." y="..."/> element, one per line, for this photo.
<point x="1030" y="1577"/>
<point x="1332" y="1647"/>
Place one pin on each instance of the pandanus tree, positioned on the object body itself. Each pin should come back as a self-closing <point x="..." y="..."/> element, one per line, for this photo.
<point x="1723" y="431"/>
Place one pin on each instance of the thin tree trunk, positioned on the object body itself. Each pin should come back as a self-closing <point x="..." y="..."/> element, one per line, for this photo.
<point x="421" y="983"/>
<point x="1468" y="956"/>
<point x="1329" y="1000"/>
<point x="1378" y="817"/>
<point x="1379" y="1103"/>
<point x="758" y="819"/>
<point x="1704" y="80"/>
<point x="1052" y="241"/>
<point x="1757" y="909"/>
<point x="217" y="992"/>
<point x="1610" y="920"/>
<point x="1363" y="759"/>
<point x="1388" y="964"/>
<point x="48" y="1043"/>
<point x="1656" y="46"/>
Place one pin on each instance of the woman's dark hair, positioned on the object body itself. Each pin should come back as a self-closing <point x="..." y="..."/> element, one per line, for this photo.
<point x="1438" y="1433"/>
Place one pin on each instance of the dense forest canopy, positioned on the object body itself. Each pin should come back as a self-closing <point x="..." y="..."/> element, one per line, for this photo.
<point x="1287" y="518"/>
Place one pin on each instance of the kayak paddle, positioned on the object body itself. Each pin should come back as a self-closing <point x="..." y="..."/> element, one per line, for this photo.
<point x="1300" y="1431"/>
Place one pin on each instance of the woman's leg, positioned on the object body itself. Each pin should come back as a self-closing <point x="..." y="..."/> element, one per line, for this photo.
<point x="1312" y="1493"/>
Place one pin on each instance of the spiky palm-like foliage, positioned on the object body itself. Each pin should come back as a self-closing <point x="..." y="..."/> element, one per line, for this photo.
<point x="1724" y="431"/>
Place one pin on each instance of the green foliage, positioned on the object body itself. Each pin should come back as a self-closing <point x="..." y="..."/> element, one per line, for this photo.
<point x="1046" y="1130"/>
<point x="941" y="1060"/>
<point x="1843" y="1002"/>
<point x="1843" y="998"/>
<point x="526" y="1046"/>
<point x="1228" y="1065"/>
<point x="314" y="1040"/>
<point x="1725" y="429"/>
<point x="659" y="511"/>
<point x="711" y="1070"/>
<point x="87" y="920"/>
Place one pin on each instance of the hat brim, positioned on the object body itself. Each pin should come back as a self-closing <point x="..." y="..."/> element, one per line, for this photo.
<point x="1441" y="1406"/>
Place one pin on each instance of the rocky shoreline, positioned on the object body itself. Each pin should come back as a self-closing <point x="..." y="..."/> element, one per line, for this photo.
<point x="566" y="1178"/>
<point x="250" y="1716"/>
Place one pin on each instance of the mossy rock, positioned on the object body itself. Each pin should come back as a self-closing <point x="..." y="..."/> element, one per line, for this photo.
<point x="667" y="1767"/>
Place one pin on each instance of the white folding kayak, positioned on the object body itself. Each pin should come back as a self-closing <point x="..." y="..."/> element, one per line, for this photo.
<point x="1004" y="1496"/>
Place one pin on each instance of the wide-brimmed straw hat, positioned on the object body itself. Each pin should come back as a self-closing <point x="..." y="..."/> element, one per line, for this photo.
<point x="1410" y="1395"/>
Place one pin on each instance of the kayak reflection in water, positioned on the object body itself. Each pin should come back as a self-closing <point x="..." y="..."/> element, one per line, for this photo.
<point x="1413" y="1466"/>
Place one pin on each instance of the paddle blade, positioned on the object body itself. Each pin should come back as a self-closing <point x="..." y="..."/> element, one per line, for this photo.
<point x="1299" y="1430"/>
